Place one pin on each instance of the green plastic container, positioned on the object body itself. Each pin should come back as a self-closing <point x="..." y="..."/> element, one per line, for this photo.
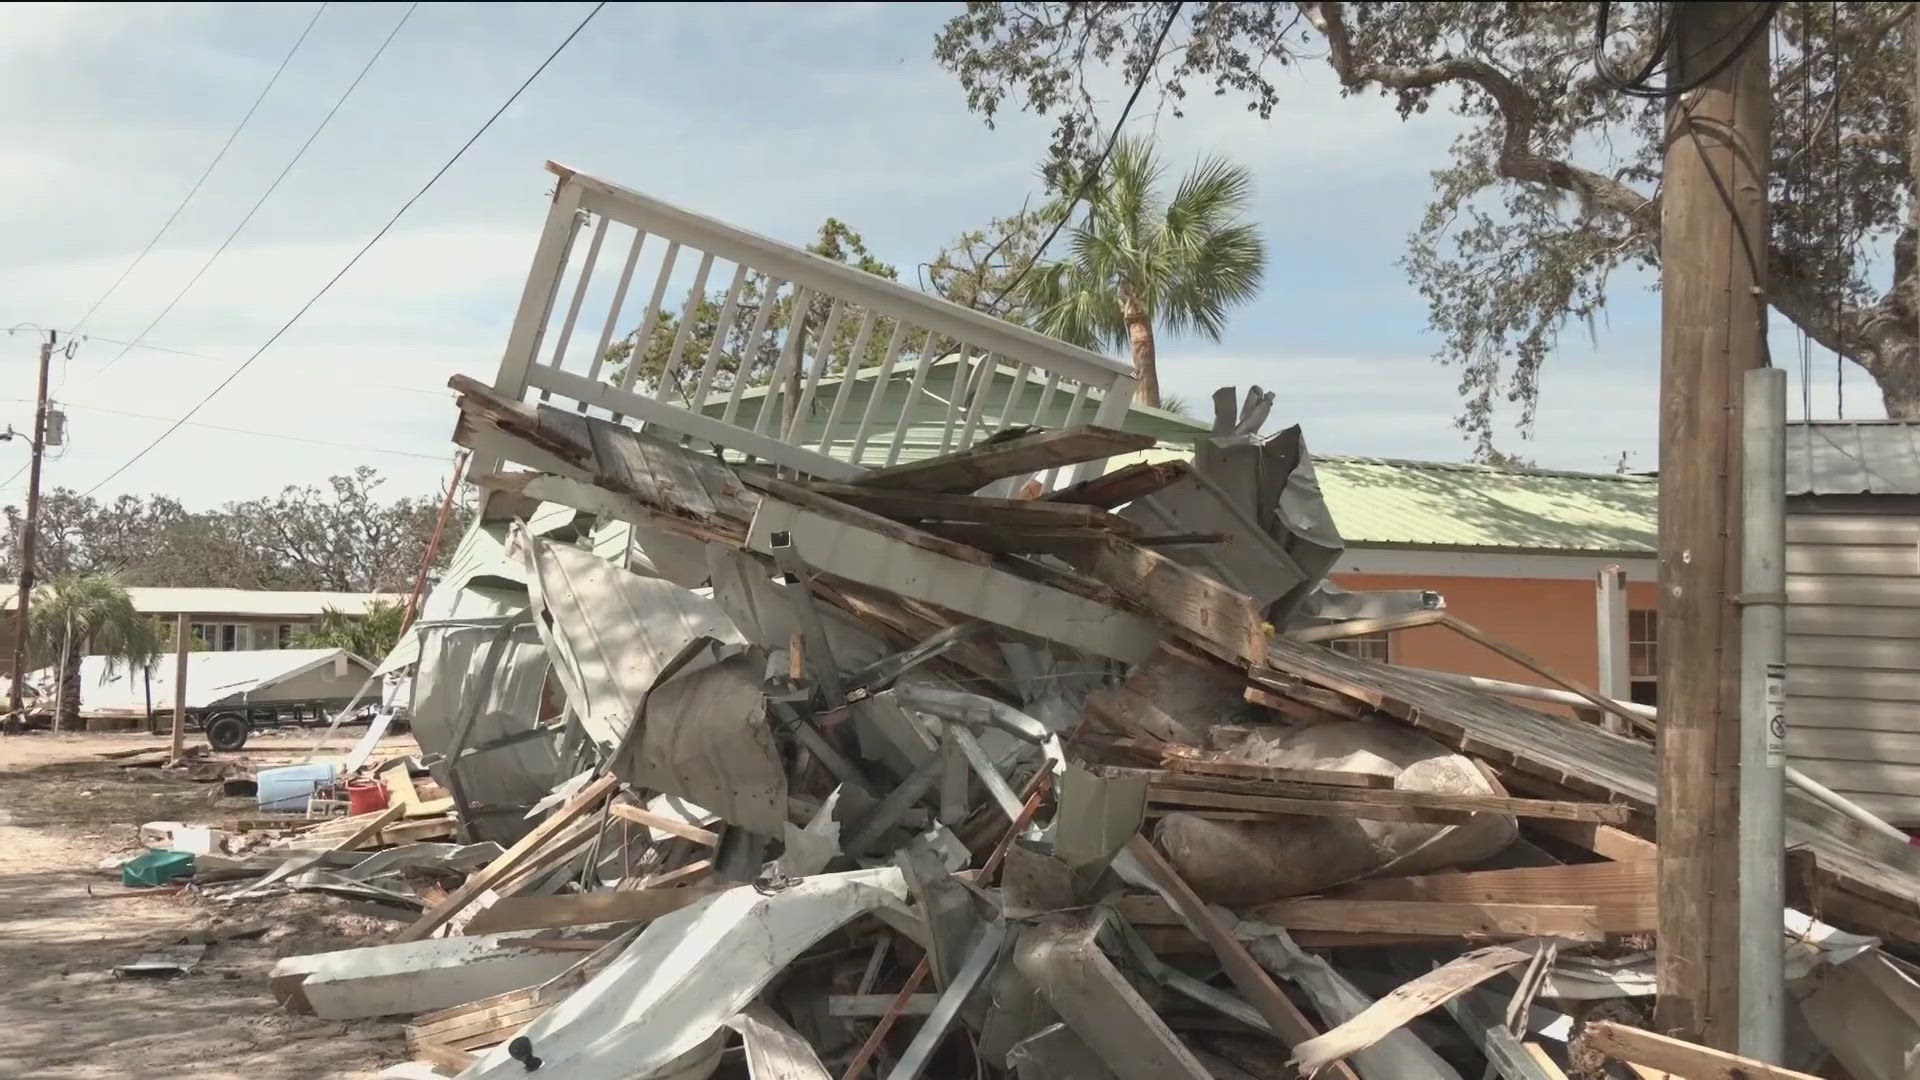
<point x="156" y="868"/>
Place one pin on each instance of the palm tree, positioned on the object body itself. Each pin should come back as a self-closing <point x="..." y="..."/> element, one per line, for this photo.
<point x="89" y="615"/>
<point x="370" y="636"/>
<point x="1141" y="260"/>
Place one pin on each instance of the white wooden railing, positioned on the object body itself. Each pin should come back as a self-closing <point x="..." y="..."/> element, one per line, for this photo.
<point x="578" y="302"/>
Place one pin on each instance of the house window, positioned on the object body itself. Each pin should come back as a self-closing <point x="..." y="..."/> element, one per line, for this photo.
<point x="203" y="633"/>
<point x="286" y="635"/>
<point x="1643" y="657"/>
<point x="1366" y="646"/>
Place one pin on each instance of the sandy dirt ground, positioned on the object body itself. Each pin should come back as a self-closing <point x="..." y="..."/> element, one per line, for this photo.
<point x="64" y="926"/>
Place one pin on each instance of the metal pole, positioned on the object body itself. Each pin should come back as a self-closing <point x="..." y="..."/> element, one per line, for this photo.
<point x="28" y="535"/>
<point x="179" y="686"/>
<point x="1763" y="721"/>
<point x="1610" y="607"/>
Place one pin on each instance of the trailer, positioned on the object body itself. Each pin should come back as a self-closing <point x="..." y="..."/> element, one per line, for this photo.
<point x="230" y="695"/>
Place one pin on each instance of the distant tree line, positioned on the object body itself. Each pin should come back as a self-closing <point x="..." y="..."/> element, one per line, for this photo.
<point x="340" y="537"/>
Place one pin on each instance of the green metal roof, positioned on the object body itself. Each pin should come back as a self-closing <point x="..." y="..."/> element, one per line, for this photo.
<point x="1438" y="504"/>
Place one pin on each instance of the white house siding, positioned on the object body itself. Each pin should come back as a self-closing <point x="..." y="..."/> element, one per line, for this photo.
<point x="1853" y="647"/>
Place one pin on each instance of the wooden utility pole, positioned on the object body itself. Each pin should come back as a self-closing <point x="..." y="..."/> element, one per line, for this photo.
<point x="1713" y="245"/>
<point x="28" y="535"/>
<point x="179" y="687"/>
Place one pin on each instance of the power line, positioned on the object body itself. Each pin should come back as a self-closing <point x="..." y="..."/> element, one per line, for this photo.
<point x="262" y="434"/>
<point x="342" y="272"/>
<point x="211" y="165"/>
<point x="1099" y="163"/>
<point x="265" y="195"/>
<point x="429" y="390"/>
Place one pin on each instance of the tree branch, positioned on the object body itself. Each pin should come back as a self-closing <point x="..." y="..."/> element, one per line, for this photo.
<point x="1519" y="113"/>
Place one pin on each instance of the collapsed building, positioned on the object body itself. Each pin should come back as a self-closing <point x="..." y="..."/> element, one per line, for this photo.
<point x="960" y="754"/>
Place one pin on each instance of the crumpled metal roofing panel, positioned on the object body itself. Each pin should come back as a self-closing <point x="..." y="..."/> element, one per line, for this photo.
<point x="1853" y="457"/>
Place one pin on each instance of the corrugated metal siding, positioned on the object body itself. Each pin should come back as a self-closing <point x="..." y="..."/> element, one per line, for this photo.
<point x="1853" y="649"/>
<point x="1851" y="457"/>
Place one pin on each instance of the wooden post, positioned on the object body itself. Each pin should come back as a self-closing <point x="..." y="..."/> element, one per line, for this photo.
<point x="179" y="686"/>
<point x="1610" y="610"/>
<point x="1713" y="260"/>
<point x="29" y="533"/>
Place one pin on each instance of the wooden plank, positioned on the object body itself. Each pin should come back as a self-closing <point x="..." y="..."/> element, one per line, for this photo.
<point x="1123" y="485"/>
<point x="1267" y="804"/>
<point x="833" y="509"/>
<point x="521" y="853"/>
<point x="1678" y="1056"/>
<point x="981" y="464"/>
<point x="1131" y="713"/>
<point x="973" y="508"/>
<point x="1603" y="840"/>
<point x="1544" y="1060"/>
<point x="1281" y="1014"/>
<point x="640" y="816"/>
<point x="444" y="1057"/>
<point x="1623" y="892"/>
<point x="686" y="875"/>
<point x="874" y="558"/>
<point x="1556" y="809"/>
<point x="1188" y="759"/>
<point x="371" y="829"/>
<point x="1218" y="618"/>
<point x="606" y="906"/>
<point x="1576" y="922"/>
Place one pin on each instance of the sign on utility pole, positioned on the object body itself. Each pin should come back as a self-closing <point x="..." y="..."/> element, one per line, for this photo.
<point x="1713" y="245"/>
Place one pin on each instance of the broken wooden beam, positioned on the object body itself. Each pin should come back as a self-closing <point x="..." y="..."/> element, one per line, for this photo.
<point x="1283" y="1017"/>
<point x="1678" y="1056"/>
<point x="513" y="859"/>
<point x="1622" y="892"/>
<point x="1123" y="485"/>
<point x="984" y="462"/>
<point x="1574" y="922"/>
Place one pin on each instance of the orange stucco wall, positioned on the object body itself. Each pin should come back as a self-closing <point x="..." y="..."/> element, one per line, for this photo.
<point x="1550" y="619"/>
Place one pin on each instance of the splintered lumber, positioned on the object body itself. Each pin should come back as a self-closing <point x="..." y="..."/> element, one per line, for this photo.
<point x="1219" y="619"/>
<point x="511" y="859"/>
<point x="1281" y="1014"/>
<point x="606" y="906"/>
<point x="443" y="1057"/>
<point x="1677" y="1056"/>
<point x="1621" y="892"/>
<point x="984" y="462"/>
<point x="1123" y="485"/>
<point x="400" y="789"/>
<point x="975" y="508"/>
<point x="1575" y="922"/>
<point x="640" y="816"/>
<point x="1405" y="1002"/>
<point x="1282" y="797"/>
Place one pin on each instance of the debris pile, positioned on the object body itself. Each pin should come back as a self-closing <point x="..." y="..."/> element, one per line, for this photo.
<point x="886" y="776"/>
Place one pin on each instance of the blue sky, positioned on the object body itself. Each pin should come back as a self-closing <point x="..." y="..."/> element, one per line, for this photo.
<point x="772" y="118"/>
